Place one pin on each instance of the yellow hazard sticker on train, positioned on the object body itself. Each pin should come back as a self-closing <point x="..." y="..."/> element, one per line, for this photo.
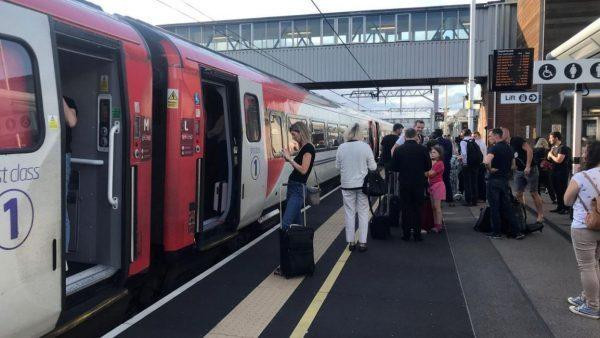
<point x="52" y="122"/>
<point x="172" y="98"/>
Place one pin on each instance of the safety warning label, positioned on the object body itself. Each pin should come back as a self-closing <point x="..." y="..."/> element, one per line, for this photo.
<point x="52" y="122"/>
<point x="172" y="98"/>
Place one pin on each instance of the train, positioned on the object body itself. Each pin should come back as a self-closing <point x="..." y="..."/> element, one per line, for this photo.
<point x="175" y="147"/>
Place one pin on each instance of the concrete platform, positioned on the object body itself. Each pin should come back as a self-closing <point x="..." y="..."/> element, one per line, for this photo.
<point x="458" y="284"/>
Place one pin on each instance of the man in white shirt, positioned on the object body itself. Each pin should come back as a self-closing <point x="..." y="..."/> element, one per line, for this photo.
<point x="480" y="142"/>
<point x="419" y="126"/>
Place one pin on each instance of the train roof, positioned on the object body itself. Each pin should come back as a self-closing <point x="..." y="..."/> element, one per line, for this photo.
<point x="85" y="16"/>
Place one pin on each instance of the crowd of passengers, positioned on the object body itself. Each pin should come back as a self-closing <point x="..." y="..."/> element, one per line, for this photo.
<point x="440" y="170"/>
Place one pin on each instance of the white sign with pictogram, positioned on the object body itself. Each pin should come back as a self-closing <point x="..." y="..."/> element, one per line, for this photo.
<point x="519" y="98"/>
<point x="566" y="71"/>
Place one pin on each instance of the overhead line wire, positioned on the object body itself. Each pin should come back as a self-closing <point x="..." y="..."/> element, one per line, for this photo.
<point x="268" y="56"/>
<point x="255" y="49"/>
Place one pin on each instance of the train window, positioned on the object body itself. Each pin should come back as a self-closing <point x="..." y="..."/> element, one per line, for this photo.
<point x="333" y="135"/>
<point x="276" y="135"/>
<point x="20" y="127"/>
<point x="318" y="135"/>
<point x="252" y="115"/>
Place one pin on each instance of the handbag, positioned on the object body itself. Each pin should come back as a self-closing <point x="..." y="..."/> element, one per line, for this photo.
<point x="313" y="194"/>
<point x="374" y="184"/>
<point x="592" y="219"/>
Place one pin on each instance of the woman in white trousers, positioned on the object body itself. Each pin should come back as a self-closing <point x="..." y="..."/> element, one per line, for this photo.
<point x="354" y="159"/>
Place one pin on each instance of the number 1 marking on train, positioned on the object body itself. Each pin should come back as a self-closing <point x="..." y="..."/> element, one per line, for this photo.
<point x="11" y="206"/>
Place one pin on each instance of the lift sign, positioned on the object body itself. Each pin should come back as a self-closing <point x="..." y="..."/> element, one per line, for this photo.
<point x="519" y="98"/>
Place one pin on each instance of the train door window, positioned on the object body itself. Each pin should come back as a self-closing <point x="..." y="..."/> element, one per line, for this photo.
<point x="20" y="127"/>
<point x="276" y="135"/>
<point x="332" y="135"/>
<point x="252" y="115"/>
<point x="341" y="131"/>
<point x="318" y="135"/>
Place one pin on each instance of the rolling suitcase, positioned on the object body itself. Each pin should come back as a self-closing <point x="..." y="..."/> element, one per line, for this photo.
<point x="379" y="224"/>
<point x="296" y="247"/>
<point x="427" y="215"/>
<point x="393" y="201"/>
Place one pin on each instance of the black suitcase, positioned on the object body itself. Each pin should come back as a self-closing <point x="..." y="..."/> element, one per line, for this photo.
<point x="296" y="249"/>
<point x="393" y="201"/>
<point x="394" y="211"/>
<point x="483" y="223"/>
<point x="379" y="224"/>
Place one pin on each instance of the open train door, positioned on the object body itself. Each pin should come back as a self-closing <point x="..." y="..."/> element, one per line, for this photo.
<point x="254" y="159"/>
<point x="31" y="175"/>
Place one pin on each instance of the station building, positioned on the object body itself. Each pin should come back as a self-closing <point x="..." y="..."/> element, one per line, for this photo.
<point x="544" y="26"/>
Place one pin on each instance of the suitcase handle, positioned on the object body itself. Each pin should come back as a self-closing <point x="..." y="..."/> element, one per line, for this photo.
<point x="281" y="201"/>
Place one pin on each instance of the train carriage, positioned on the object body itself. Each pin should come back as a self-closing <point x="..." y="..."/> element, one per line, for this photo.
<point x="175" y="147"/>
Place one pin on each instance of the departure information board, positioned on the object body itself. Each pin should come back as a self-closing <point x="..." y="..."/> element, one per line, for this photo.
<point x="511" y="69"/>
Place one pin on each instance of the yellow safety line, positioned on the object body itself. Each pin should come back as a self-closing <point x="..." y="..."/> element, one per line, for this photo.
<point x="312" y="310"/>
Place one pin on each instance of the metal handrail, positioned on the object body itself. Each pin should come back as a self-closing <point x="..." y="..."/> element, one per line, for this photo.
<point x="87" y="161"/>
<point x="112" y="200"/>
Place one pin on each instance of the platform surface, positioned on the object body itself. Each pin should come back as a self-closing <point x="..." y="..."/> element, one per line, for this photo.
<point x="458" y="284"/>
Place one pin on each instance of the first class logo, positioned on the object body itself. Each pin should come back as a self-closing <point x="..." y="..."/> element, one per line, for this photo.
<point x="17" y="213"/>
<point x="254" y="167"/>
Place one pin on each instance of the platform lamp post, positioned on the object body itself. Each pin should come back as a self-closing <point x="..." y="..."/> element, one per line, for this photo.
<point x="577" y="124"/>
<point x="472" y="33"/>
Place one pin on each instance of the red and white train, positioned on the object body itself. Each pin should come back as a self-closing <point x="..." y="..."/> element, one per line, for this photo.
<point x="176" y="146"/>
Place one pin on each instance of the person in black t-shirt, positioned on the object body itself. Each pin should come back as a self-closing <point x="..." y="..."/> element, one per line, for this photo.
<point x="499" y="161"/>
<point x="526" y="174"/>
<point x="560" y="157"/>
<point x="302" y="164"/>
<point x="387" y="143"/>
<point x="70" y="115"/>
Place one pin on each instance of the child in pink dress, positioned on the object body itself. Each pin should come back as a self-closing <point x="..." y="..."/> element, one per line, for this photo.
<point x="437" y="189"/>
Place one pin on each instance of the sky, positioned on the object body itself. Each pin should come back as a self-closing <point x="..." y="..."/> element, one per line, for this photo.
<point x="160" y="12"/>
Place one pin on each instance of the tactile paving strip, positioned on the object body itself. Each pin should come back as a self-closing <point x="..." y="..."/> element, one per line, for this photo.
<point x="252" y="315"/>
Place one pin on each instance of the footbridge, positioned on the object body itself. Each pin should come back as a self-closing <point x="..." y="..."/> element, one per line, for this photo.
<point x="397" y="47"/>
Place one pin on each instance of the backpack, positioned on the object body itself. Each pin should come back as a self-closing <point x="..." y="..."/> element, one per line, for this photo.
<point x="474" y="155"/>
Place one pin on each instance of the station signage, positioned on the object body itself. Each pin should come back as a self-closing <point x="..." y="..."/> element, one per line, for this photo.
<point x="439" y="117"/>
<point x="511" y="69"/>
<point x="566" y="71"/>
<point x="519" y="98"/>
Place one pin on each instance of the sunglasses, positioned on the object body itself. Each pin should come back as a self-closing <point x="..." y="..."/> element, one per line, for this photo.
<point x="294" y="129"/>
